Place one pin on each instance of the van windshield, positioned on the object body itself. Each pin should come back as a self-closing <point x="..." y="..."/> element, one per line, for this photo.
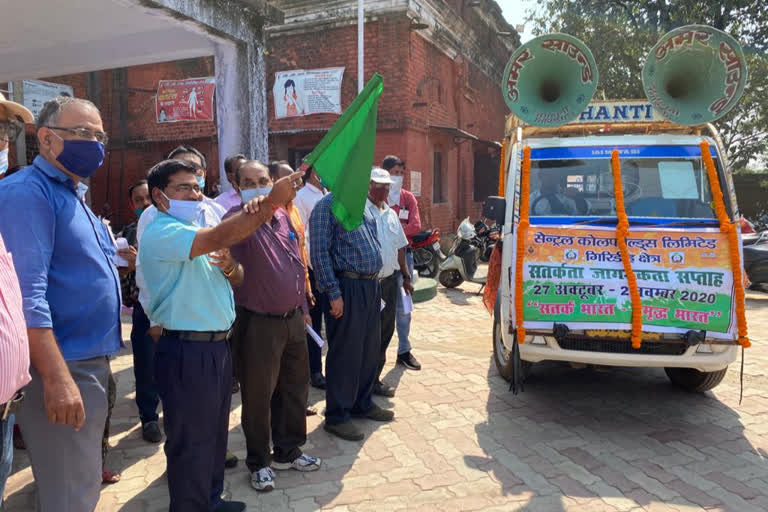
<point x="675" y="187"/>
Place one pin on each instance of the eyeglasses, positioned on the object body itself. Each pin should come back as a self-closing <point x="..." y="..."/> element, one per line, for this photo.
<point x="83" y="133"/>
<point x="185" y="188"/>
<point x="10" y="130"/>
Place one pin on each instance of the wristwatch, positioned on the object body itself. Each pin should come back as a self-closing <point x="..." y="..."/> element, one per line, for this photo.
<point x="406" y="277"/>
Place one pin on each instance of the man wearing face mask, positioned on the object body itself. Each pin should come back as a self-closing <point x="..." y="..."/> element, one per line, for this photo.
<point x="182" y="262"/>
<point x="393" y="243"/>
<point x="269" y="338"/>
<point x="71" y="289"/>
<point x="231" y="198"/>
<point x="191" y="154"/>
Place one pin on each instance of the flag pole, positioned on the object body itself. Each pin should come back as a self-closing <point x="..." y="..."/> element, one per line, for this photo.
<point x="360" y="47"/>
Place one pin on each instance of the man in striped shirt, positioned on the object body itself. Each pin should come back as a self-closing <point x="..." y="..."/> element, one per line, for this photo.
<point x="14" y="346"/>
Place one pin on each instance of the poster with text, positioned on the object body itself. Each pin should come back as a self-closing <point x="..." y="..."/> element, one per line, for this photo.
<point x="576" y="277"/>
<point x="416" y="183"/>
<point x="37" y="92"/>
<point x="302" y="92"/>
<point x="185" y="100"/>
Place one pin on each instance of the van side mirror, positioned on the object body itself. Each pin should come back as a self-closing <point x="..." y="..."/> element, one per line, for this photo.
<point x="495" y="208"/>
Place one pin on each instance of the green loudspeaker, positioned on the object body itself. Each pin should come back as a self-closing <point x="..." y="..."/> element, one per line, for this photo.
<point x="695" y="74"/>
<point x="550" y="80"/>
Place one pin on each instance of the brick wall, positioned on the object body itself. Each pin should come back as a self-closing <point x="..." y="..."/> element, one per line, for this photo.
<point x="422" y="87"/>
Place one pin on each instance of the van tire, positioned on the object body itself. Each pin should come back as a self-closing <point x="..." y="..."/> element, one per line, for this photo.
<point x="500" y="356"/>
<point x="694" y="380"/>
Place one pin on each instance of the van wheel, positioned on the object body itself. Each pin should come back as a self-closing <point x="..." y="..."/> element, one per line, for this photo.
<point x="450" y="278"/>
<point x="502" y="355"/>
<point x="693" y="380"/>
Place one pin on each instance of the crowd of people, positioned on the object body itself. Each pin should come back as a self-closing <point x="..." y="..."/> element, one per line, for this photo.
<point x="227" y="294"/>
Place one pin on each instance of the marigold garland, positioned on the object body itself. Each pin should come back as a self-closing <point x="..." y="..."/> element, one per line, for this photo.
<point x="622" y="232"/>
<point x="502" y="177"/>
<point x="729" y="228"/>
<point x="522" y="230"/>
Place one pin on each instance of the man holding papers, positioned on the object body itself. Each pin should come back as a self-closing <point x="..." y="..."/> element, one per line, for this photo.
<point x="269" y="338"/>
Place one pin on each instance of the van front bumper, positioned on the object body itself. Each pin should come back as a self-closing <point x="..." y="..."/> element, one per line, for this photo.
<point x="703" y="357"/>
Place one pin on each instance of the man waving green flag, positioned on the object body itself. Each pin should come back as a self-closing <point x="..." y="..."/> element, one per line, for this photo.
<point x="344" y="157"/>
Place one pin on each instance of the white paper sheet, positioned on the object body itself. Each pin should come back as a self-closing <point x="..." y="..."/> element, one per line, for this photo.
<point x="678" y="180"/>
<point x="121" y="243"/>
<point x="407" y="301"/>
<point x="313" y="334"/>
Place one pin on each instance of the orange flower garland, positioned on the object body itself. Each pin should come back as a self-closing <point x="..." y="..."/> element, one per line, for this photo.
<point x="502" y="180"/>
<point x="522" y="229"/>
<point x="622" y="232"/>
<point x="729" y="228"/>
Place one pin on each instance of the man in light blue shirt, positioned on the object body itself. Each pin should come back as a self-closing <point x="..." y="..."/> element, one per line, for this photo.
<point x="71" y="292"/>
<point x="188" y="274"/>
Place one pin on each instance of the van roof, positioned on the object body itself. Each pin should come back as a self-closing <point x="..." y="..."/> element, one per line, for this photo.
<point x="618" y="140"/>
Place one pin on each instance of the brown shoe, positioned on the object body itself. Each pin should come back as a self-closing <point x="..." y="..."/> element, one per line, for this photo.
<point x="346" y="430"/>
<point x="377" y="414"/>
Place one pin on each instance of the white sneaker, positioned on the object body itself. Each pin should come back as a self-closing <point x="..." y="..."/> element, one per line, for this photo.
<point x="302" y="463"/>
<point x="263" y="480"/>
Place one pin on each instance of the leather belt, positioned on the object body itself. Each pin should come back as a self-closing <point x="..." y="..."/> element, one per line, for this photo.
<point x="390" y="276"/>
<point x="284" y="316"/>
<point x="197" y="335"/>
<point x="355" y="275"/>
<point x="11" y="406"/>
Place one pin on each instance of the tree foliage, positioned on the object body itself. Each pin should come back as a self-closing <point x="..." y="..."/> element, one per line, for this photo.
<point x="620" y="34"/>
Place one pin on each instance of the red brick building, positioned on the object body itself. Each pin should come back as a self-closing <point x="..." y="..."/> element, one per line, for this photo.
<point x="441" y="111"/>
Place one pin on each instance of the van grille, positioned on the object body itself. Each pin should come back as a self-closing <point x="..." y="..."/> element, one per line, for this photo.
<point x="623" y="347"/>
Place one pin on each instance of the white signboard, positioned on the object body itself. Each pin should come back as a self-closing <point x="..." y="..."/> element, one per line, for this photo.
<point x="416" y="183"/>
<point x="637" y="111"/>
<point x="302" y="92"/>
<point x="37" y="92"/>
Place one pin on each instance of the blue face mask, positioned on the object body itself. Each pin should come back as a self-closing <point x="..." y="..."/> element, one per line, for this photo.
<point x="82" y="157"/>
<point x="253" y="193"/>
<point x="3" y="161"/>
<point x="201" y="182"/>
<point x="138" y="212"/>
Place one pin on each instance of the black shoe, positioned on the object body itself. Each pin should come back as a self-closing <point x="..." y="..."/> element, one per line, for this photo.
<point x="311" y="411"/>
<point x="376" y="414"/>
<point x="346" y="430"/>
<point x="382" y="389"/>
<point x="235" y="387"/>
<point x="150" y="431"/>
<point x="317" y="380"/>
<point x="230" y="462"/>
<point x="406" y="359"/>
<point x="230" y="506"/>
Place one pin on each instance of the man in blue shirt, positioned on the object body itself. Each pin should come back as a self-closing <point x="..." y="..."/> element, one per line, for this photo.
<point x="188" y="273"/>
<point x="346" y="265"/>
<point x="71" y="292"/>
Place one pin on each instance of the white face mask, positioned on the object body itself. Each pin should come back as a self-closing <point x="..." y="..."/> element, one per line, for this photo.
<point x="187" y="211"/>
<point x="252" y="193"/>
<point x="3" y="161"/>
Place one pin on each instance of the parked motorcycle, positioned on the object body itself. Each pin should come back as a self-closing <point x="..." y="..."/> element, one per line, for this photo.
<point x="427" y="255"/>
<point x="461" y="264"/>
<point x="485" y="239"/>
<point x="756" y="260"/>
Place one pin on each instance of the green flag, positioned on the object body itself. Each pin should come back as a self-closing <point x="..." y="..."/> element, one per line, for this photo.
<point x="344" y="157"/>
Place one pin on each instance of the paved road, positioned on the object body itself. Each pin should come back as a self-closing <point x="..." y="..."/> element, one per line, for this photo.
<point x="575" y="440"/>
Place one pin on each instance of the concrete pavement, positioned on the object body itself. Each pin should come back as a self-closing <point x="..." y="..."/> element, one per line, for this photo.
<point x="575" y="440"/>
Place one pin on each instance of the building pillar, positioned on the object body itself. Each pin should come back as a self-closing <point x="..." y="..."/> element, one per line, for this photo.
<point x="240" y="103"/>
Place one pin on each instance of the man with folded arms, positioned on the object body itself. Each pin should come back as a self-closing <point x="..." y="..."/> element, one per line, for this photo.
<point x="189" y="273"/>
<point x="269" y="338"/>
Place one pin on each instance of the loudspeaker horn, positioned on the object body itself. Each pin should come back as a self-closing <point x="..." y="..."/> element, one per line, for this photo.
<point x="695" y="74"/>
<point x="550" y="80"/>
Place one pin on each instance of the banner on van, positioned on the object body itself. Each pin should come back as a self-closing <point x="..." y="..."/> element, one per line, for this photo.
<point x="576" y="276"/>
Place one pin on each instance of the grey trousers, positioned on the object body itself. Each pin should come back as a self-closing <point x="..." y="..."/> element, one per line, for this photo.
<point x="67" y="464"/>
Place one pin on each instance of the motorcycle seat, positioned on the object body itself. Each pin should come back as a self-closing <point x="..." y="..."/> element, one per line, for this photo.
<point x="420" y="237"/>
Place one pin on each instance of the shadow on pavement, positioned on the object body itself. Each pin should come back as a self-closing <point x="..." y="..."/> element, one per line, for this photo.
<point x="599" y="433"/>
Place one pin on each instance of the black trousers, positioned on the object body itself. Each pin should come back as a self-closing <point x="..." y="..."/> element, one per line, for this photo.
<point x="321" y="303"/>
<point x="194" y="380"/>
<point x="143" y="347"/>
<point x="274" y="383"/>
<point x="389" y="294"/>
<point x="354" y="343"/>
